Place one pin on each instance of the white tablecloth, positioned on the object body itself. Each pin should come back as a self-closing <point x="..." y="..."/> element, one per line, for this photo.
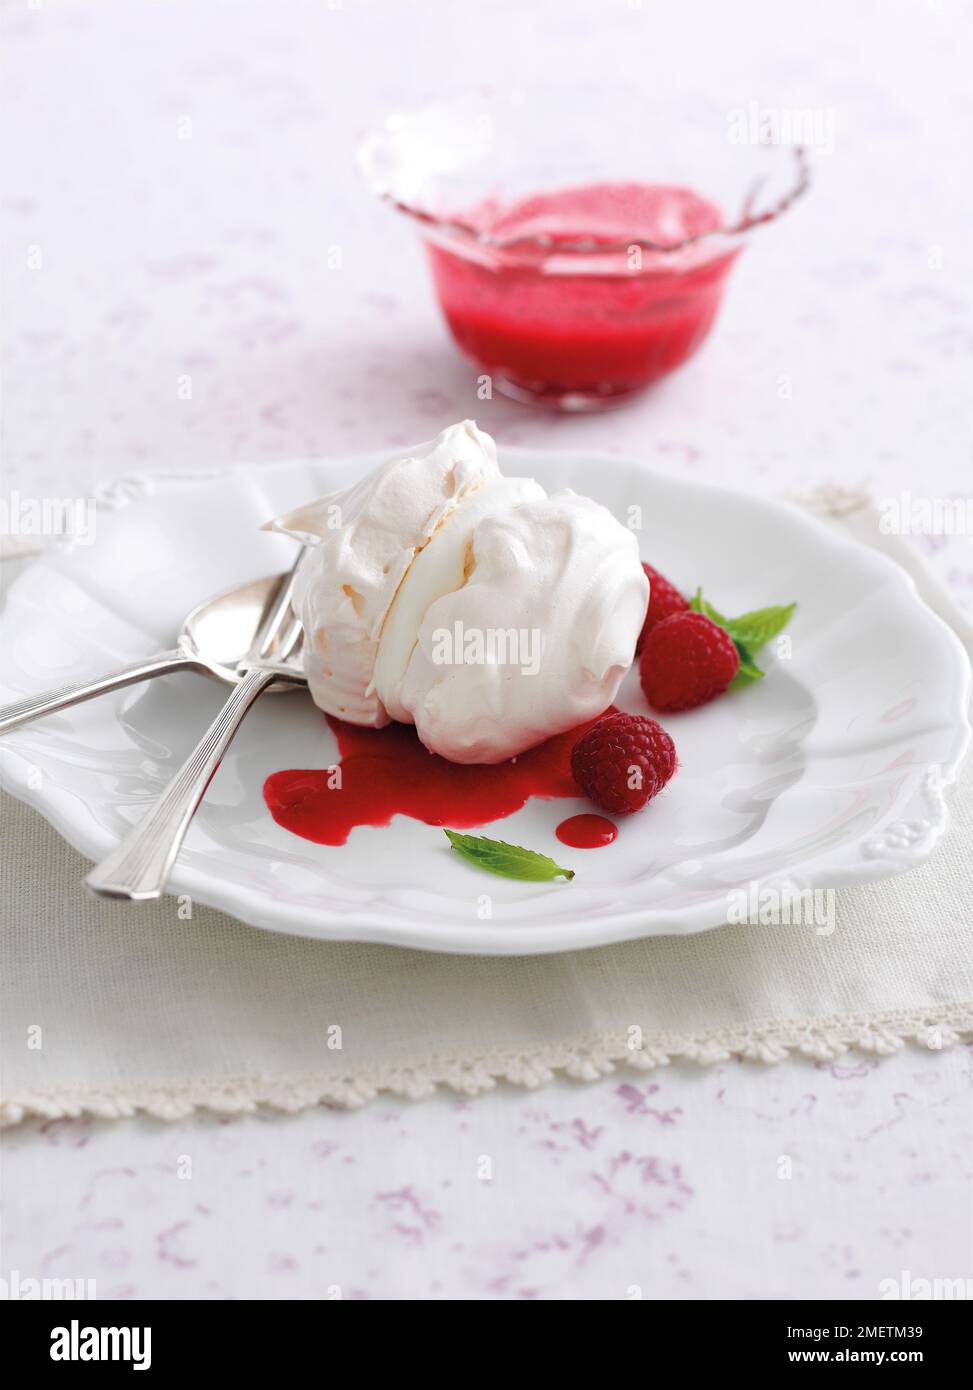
<point x="173" y="181"/>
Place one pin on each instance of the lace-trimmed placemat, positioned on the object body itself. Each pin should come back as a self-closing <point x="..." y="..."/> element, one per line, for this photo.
<point x="110" y="1010"/>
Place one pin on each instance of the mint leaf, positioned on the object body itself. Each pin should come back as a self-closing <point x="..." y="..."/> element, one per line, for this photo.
<point x="755" y="629"/>
<point x="699" y="605"/>
<point x="749" y="670"/>
<point x="512" y="861"/>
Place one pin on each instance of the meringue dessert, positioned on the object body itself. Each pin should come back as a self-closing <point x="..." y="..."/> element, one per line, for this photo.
<point x="441" y="594"/>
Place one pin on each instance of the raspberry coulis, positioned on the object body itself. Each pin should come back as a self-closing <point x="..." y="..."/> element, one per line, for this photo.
<point x="387" y="772"/>
<point x="620" y="325"/>
<point x="587" y="831"/>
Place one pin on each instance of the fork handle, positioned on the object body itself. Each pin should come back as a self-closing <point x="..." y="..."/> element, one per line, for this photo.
<point x="20" y="712"/>
<point x="140" y="866"/>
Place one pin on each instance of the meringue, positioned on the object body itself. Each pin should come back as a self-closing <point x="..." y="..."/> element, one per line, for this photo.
<point x="365" y="540"/>
<point x="475" y="606"/>
<point x="559" y="572"/>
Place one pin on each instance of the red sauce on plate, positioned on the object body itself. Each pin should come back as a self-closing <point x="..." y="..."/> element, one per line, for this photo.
<point x="587" y="831"/>
<point x="388" y="772"/>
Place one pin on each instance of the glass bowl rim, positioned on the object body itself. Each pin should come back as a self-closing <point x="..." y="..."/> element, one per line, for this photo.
<point x="456" y="228"/>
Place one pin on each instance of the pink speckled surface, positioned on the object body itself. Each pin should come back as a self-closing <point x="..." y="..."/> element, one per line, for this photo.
<point x="186" y="176"/>
<point x="184" y="172"/>
<point x="674" y="1186"/>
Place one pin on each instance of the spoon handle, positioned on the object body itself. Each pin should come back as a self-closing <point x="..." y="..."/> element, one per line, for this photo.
<point x="141" y="864"/>
<point x="33" y="706"/>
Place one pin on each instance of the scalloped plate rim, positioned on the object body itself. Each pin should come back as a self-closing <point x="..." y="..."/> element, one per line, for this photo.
<point x="367" y="924"/>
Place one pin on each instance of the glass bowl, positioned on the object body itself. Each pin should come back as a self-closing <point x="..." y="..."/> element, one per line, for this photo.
<point x="578" y="254"/>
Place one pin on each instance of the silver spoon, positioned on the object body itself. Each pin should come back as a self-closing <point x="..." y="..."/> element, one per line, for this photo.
<point x="139" y="868"/>
<point x="215" y="638"/>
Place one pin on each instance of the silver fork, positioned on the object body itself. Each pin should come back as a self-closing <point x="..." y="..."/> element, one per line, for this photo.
<point x="140" y="867"/>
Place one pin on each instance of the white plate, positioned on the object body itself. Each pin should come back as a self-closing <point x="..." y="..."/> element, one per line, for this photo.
<point x="828" y="772"/>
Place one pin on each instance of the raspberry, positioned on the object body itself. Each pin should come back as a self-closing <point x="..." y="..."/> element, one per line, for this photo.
<point x="664" y="600"/>
<point x="623" y="761"/>
<point x="685" y="661"/>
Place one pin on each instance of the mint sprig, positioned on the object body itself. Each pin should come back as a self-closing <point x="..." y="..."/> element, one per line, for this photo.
<point x="748" y="671"/>
<point x="756" y="629"/>
<point x="511" y="861"/>
<point x="749" y="632"/>
<point x="699" y="605"/>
